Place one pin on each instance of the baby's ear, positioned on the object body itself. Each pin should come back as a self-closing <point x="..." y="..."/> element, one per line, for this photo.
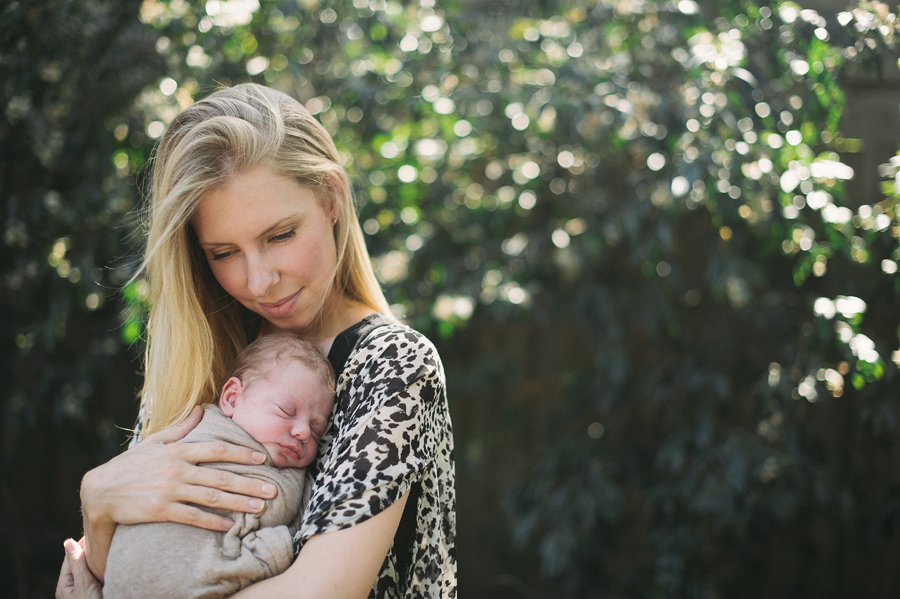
<point x="231" y="393"/>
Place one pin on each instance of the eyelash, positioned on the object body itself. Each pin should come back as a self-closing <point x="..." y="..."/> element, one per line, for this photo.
<point x="275" y="238"/>
<point x="283" y="236"/>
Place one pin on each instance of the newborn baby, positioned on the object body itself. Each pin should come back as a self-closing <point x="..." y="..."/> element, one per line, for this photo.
<point x="278" y="399"/>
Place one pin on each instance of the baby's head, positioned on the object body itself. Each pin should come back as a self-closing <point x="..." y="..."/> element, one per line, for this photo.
<point x="281" y="391"/>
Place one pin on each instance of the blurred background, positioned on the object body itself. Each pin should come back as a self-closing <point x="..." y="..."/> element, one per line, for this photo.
<point x="656" y="244"/>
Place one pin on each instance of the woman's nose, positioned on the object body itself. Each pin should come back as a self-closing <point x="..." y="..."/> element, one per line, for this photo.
<point x="261" y="277"/>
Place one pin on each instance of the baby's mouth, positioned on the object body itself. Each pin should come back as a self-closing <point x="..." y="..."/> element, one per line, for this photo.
<point x="290" y="451"/>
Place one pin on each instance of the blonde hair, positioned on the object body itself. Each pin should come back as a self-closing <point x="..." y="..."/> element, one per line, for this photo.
<point x="196" y="329"/>
<point x="251" y="365"/>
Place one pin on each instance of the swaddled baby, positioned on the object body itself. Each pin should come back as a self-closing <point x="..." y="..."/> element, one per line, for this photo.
<point x="278" y="399"/>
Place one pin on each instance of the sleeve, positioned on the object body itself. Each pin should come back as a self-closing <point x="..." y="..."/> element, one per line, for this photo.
<point x="384" y="432"/>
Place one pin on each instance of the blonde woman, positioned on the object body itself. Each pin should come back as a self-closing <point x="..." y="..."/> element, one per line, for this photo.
<point x="252" y="230"/>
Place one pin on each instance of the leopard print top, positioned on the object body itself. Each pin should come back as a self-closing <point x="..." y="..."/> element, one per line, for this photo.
<point x="391" y="433"/>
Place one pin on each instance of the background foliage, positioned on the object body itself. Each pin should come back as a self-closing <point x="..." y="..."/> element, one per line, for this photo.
<point x="671" y="335"/>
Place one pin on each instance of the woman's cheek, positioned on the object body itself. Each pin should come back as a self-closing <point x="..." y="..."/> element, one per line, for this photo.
<point x="228" y="276"/>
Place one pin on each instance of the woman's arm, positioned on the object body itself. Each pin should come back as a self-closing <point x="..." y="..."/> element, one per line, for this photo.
<point x="154" y="482"/>
<point x="336" y="565"/>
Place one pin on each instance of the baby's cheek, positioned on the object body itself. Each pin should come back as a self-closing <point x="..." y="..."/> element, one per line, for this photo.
<point x="277" y="458"/>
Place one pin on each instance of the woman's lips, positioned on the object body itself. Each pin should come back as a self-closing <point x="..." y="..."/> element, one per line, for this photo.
<point x="282" y="308"/>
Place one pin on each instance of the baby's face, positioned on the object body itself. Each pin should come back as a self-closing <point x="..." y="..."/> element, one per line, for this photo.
<point x="286" y="408"/>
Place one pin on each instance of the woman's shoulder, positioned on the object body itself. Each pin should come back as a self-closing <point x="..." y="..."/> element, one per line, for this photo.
<point x="397" y="343"/>
<point x="388" y="359"/>
<point x="389" y="331"/>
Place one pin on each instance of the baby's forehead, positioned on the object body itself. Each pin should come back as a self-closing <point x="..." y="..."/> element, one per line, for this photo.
<point x="276" y="361"/>
<point x="311" y="391"/>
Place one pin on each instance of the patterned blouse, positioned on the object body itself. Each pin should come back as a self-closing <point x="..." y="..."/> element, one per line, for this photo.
<point x="391" y="433"/>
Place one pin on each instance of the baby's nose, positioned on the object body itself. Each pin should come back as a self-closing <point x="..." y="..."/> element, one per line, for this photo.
<point x="300" y="430"/>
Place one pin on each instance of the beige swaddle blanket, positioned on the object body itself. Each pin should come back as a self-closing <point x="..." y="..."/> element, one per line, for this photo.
<point x="174" y="561"/>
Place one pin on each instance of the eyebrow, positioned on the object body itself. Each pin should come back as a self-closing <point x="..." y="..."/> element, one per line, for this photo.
<point x="267" y="231"/>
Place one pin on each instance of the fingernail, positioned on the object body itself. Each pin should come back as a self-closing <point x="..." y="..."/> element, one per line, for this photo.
<point x="227" y="524"/>
<point x="257" y="504"/>
<point x="69" y="546"/>
<point x="268" y="489"/>
<point x="259" y="456"/>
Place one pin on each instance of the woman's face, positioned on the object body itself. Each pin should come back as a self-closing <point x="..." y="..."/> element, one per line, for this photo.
<point x="270" y="244"/>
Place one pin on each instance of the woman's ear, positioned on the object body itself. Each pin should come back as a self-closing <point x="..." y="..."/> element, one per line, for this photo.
<point x="231" y="393"/>
<point x="336" y="186"/>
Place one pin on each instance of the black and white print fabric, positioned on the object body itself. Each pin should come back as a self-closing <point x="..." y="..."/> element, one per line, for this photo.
<point x="391" y="434"/>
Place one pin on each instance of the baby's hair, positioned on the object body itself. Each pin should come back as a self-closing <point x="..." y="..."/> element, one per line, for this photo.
<point x="252" y="363"/>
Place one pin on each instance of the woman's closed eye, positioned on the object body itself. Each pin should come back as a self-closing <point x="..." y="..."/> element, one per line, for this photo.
<point x="283" y="236"/>
<point x="286" y="235"/>
<point x="221" y="255"/>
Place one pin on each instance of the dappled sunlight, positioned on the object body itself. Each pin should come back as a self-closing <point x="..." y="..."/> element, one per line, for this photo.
<point x="663" y="283"/>
<point x="459" y="131"/>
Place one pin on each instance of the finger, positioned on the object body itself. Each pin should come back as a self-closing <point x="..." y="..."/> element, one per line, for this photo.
<point x="75" y="561"/>
<point x="72" y="548"/>
<point x="65" y="585"/>
<point x="84" y="582"/>
<point x="178" y="431"/>
<point x="186" y="514"/>
<point x="218" y="451"/>
<point x="207" y="492"/>
<point x="209" y="480"/>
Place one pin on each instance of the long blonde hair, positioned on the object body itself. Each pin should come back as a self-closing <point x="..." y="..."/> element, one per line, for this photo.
<point x="196" y="329"/>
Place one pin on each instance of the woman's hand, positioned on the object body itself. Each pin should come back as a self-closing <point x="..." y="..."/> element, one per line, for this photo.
<point x="75" y="580"/>
<point x="157" y="479"/>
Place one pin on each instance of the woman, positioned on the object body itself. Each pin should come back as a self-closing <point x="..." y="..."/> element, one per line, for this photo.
<point x="253" y="230"/>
